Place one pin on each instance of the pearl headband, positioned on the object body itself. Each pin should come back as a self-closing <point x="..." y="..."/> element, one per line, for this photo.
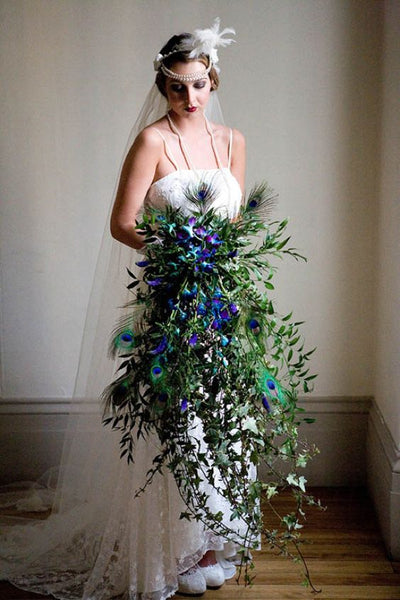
<point x="203" y="42"/>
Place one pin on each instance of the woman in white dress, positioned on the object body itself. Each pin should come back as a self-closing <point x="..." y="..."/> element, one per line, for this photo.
<point x="177" y="151"/>
<point x="100" y="541"/>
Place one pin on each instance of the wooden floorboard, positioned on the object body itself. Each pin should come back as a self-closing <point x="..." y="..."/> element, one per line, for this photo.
<point x="344" y="551"/>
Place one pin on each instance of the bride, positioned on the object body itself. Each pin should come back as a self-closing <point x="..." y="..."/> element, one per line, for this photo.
<point x="101" y="542"/>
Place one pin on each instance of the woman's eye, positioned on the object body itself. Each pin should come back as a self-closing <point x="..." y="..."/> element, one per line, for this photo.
<point x="177" y="88"/>
<point x="200" y="85"/>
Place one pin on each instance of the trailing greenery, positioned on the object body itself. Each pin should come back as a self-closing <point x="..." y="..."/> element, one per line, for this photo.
<point x="211" y="367"/>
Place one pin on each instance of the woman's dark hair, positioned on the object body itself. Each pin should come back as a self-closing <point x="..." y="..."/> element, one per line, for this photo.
<point x="180" y="56"/>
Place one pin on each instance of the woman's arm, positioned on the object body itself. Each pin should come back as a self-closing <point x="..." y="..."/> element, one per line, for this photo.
<point x="136" y="177"/>
<point x="238" y="161"/>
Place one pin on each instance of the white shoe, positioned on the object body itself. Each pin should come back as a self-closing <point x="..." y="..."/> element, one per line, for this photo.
<point x="214" y="575"/>
<point x="228" y="567"/>
<point x="192" y="582"/>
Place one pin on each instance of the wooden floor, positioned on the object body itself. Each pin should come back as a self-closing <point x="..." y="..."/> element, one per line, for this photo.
<point x="346" y="558"/>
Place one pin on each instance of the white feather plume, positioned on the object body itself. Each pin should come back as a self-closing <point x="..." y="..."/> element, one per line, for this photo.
<point x="206" y="41"/>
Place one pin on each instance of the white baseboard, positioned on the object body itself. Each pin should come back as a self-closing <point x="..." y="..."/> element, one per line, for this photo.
<point x="32" y="431"/>
<point x="383" y="461"/>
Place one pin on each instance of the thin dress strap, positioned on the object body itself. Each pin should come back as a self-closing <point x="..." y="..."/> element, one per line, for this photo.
<point x="230" y="149"/>
<point x="185" y="151"/>
<point x="167" y="150"/>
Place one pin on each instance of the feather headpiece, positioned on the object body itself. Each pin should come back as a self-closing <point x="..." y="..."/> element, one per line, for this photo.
<point x="203" y="41"/>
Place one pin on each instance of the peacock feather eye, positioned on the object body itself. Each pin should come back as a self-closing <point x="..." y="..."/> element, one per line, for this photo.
<point x="125" y="340"/>
<point x="271" y="388"/>
<point x="254" y="326"/>
<point x="156" y="373"/>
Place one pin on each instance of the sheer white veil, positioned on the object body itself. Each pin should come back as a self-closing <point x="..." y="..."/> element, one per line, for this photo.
<point x="73" y="553"/>
<point x="87" y="472"/>
<point x="83" y="465"/>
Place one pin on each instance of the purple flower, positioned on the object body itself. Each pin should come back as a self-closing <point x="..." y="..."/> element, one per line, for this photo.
<point x="205" y="253"/>
<point x="193" y="339"/>
<point x="224" y="315"/>
<point x="154" y="282"/>
<point x="142" y="263"/>
<point x="192" y="221"/>
<point x="216" y="324"/>
<point x="233" y="253"/>
<point x="200" y="231"/>
<point x="161" y="346"/>
<point x="184" y="404"/>
<point x="233" y="309"/>
<point x="217" y="304"/>
<point x="213" y="239"/>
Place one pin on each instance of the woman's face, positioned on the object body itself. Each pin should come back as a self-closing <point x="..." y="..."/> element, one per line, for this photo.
<point x="189" y="97"/>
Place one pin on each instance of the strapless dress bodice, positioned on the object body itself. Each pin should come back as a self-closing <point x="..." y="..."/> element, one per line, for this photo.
<point x="170" y="190"/>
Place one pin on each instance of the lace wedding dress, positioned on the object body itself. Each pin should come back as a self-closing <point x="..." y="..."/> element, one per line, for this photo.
<point x="100" y="542"/>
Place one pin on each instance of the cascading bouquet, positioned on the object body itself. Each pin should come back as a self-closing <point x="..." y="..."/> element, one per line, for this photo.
<point x="210" y="367"/>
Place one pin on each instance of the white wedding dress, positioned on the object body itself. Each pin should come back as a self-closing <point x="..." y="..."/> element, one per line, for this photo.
<point x="100" y="542"/>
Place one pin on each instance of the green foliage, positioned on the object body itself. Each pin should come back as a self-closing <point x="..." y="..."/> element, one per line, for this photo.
<point x="210" y="366"/>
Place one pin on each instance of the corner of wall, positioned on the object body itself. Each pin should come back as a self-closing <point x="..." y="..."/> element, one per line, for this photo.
<point x="383" y="471"/>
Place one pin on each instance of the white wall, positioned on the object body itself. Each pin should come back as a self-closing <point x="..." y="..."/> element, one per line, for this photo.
<point x="301" y="82"/>
<point x="387" y="385"/>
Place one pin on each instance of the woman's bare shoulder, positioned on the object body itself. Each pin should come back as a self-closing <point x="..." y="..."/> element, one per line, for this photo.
<point x="150" y="136"/>
<point x="224" y="132"/>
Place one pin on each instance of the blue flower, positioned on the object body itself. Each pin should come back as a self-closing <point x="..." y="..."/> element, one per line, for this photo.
<point x="266" y="403"/>
<point x="142" y="263"/>
<point x="232" y="253"/>
<point x="225" y="340"/>
<point x="201" y="309"/>
<point x="171" y="304"/>
<point x="184" y="404"/>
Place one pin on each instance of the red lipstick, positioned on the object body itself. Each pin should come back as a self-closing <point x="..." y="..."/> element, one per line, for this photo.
<point x="191" y="109"/>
